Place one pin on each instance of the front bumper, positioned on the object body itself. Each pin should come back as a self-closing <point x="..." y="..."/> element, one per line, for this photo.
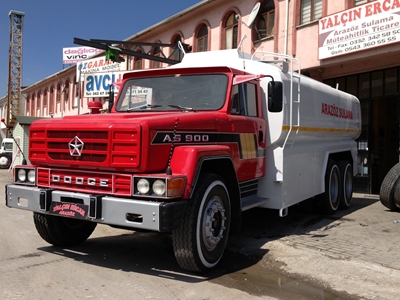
<point x="123" y="212"/>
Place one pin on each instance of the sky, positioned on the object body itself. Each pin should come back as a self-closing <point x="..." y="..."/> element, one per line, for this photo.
<point x="51" y="25"/>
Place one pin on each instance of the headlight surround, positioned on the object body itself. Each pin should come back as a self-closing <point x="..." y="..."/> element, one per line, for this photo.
<point x="161" y="186"/>
<point x="143" y="186"/>
<point x="24" y="175"/>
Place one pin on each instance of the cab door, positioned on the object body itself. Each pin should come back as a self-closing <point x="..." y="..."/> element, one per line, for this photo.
<point x="249" y="125"/>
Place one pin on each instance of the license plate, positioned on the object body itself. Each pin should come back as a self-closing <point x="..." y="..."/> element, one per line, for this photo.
<point x="72" y="210"/>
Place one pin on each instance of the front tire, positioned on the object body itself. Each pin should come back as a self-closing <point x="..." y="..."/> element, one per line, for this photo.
<point x="200" y="240"/>
<point x="62" y="232"/>
<point x="328" y="202"/>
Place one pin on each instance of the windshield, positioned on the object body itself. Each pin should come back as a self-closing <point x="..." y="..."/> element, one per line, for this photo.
<point x="8" y="146"/>
<point x="182" y="92"/>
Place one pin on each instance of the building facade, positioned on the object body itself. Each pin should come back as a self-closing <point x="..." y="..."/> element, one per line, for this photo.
<point x="352" y="45"/>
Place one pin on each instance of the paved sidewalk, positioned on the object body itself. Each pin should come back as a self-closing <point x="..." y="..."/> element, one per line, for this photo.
<point x="367" y="231"/>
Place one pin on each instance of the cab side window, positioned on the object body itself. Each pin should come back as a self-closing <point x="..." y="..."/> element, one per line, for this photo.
<point x="244" y="100"/>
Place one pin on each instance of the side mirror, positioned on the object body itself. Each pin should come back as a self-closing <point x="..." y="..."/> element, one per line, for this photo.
<point x="275" y="96"/>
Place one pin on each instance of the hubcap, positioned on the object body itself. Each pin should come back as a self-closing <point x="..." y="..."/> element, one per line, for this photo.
<point x="3" y="161"/>
<point x="213" y="223"/>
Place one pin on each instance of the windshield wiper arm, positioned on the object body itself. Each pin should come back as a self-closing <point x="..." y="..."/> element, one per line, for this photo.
<point x="144" y="107"/>
<point x="180" y="107"/>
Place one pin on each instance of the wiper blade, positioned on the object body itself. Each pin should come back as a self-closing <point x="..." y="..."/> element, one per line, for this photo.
<point x="180" y="107"/>
<point x="144" y="107"/>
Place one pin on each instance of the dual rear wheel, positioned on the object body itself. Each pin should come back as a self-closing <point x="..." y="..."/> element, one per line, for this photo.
<point x="338" y="187"/>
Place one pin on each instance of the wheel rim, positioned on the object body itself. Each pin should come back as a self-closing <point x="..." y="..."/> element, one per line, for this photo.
<point x="334" y="188"/>
<point x="213" y="223"/>
<point x="3" y="161"/>
<point x="348" y="185"/>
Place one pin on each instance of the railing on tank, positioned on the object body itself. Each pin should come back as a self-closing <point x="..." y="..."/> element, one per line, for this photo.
<point x="286" y="62"/>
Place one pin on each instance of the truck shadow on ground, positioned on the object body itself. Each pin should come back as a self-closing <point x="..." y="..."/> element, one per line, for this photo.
<point x="152" y="253"/>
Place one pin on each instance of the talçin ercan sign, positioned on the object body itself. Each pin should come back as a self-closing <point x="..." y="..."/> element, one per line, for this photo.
<point x="76" y="54"/>
<point x="363" y="27"/>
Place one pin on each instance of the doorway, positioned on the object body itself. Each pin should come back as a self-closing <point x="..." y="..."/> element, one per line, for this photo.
<point x="383" y="144"/>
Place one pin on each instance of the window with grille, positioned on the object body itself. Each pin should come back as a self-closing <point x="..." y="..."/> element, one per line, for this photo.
<point x="310" y="10"/>
<point x="202" y="39"/>
<point x="231" y="32"/>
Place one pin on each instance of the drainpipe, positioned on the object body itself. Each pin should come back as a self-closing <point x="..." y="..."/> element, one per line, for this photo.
<point x="286" y="28"/>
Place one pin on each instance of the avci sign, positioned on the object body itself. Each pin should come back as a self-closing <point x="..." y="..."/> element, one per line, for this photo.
<point x="364" y="27"/>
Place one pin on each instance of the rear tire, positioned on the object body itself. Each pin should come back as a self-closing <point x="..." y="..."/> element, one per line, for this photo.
<point x="346" y="186"/>
<point x="200" y="240"/>
<point x="328" y="202"/>
<point x="389" y="185"/>
<point x="62" y="232"/>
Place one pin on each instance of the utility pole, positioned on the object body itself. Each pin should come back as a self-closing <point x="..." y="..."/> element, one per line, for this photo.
<point x="14" y="68"/>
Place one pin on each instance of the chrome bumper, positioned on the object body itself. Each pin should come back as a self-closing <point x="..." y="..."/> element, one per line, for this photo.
<point x="130" y="213"/>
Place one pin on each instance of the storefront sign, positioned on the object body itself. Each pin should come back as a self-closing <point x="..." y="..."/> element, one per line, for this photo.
<point x="98" y="84"/>
<point x="364" y="27"/>
<point x="76" y="54"/>
<point x="98" y="64"/>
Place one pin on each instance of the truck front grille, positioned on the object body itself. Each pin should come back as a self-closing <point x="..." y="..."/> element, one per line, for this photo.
<point x="119" y="146"/>
<point x="95" y="145"/>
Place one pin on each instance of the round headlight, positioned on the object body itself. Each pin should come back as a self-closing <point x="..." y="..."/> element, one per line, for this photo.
<point x="143" y="186"/>
<point x="31" y="176"/>
<point x="159" y="187"/>
<point x="21" y="175"/>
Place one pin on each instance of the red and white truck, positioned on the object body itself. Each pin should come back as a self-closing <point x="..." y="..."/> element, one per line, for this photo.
<point x="186" y="149"/>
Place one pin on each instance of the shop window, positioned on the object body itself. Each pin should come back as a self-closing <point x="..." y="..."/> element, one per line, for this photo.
<point x="231" y="32"/>
<point x="310" y="10"/>
<point x="391" y="82"/>
<point x="377" y="84"/>
<point x="202" y="39"/>
<point x="364" y="85"/>
<point x="244" y="100"/>
<point x="351" y="85"/>
<point x="341" y="83"/>
<point x="266" y="19"/>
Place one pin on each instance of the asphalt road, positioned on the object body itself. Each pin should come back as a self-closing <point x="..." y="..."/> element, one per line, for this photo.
<point x="352" y="255"/>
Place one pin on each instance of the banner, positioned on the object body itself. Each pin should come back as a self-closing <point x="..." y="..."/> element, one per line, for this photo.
<point x="98" y="84"/>
<point x="76" y="54"/>
<point x="96" y="65"/>
<point x="363" y="27"/>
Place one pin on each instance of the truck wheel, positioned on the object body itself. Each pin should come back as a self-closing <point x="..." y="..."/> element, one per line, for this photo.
<point x="328" y="202"/>
<point x="5" y="161"/>
<point x="201" y="238"/>
<point x="62" y="232"/>
<point x="346" y="177"/>
<point x="388" y="187"/>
